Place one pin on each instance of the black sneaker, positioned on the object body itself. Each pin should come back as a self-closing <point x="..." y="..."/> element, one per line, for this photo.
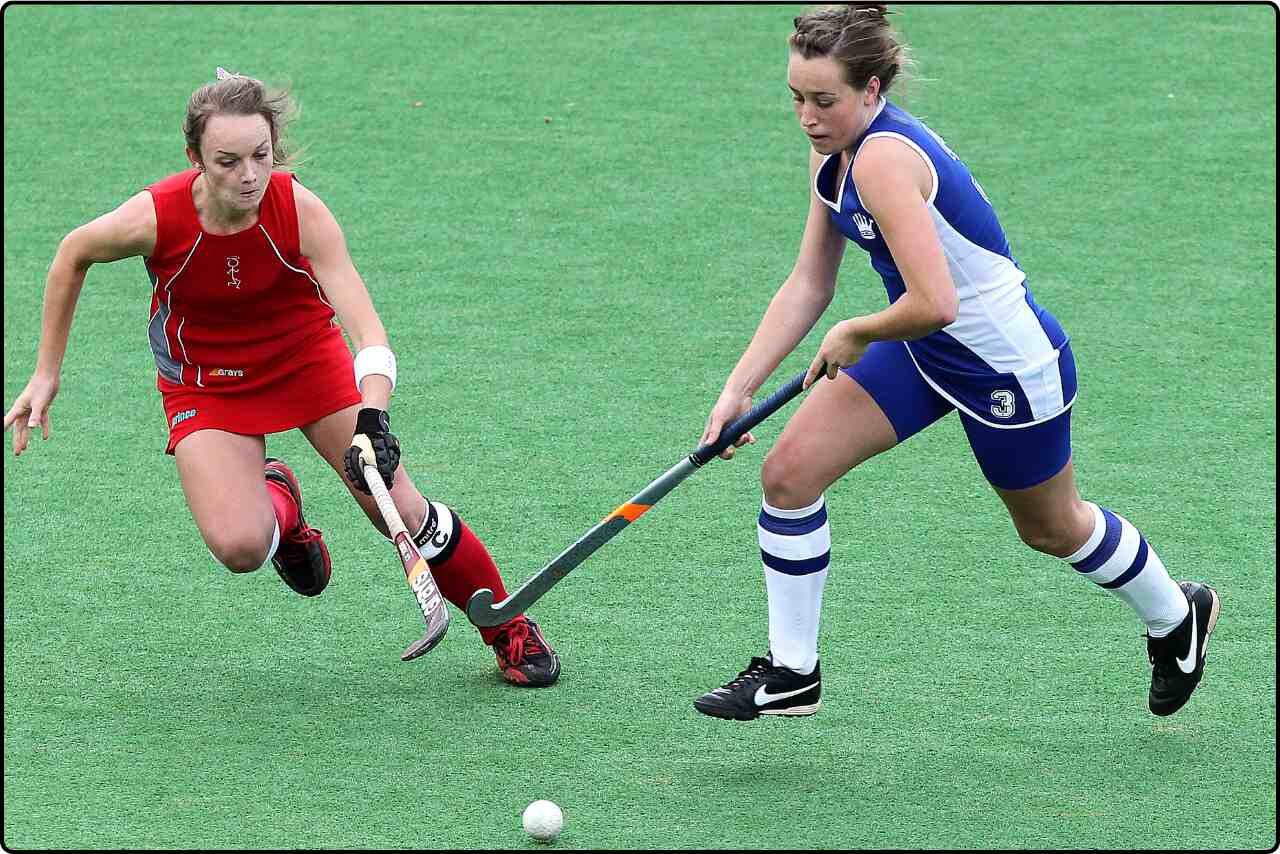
<point x="1177" y="659"/>
<point x="524" y="656"/>
<point x="763" y="689"/>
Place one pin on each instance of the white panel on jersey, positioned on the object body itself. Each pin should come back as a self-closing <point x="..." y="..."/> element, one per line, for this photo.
<point x="996" y="322"/>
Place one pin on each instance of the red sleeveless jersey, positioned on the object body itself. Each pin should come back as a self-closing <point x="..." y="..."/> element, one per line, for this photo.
<point x="229" y="311"/>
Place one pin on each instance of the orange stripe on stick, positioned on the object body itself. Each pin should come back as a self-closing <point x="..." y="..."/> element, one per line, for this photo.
<point x="413" y="573"/>
<point x="630" y="512"/>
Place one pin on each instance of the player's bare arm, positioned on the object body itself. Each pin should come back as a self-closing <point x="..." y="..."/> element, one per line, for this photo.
<point x="792" y="312"/>
<point x="322" y="241"/>
<point x="126" y="232"/>
<point x="894" y="184"/>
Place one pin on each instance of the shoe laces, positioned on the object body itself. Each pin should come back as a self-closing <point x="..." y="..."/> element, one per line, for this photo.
<point x="517" y="641"/>
<point x="755" y="668"/>
<point x="1161" y="652"/>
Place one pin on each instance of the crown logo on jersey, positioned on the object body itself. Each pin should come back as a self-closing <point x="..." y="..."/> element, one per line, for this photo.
<point x="865" y="226"/>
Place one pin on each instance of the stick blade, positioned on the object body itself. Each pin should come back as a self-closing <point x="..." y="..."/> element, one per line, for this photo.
<point x="423" y="645"/>
<point x="480" y="608"/>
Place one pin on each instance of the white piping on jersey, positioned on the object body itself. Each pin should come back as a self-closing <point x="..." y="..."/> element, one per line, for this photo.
<point x="168" y="301"/>
<point x="848" y="168"/>
<point x="272" y="244"/>
<point x="839" y="187"/>
<point x="933" y="194"/>
<point x="976" y="417"/>
<point x="185" y="357"/>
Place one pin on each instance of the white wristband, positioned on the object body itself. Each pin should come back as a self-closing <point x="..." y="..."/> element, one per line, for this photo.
<point x="376" y="360"/>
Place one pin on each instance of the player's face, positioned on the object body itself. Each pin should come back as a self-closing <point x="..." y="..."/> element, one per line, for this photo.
<point x="832" y="113"/>
<point x="237" y="160"/>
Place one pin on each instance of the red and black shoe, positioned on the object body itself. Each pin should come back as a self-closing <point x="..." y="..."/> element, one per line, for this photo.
<point x="524" y="656"/>
<point x="302" y="558"/>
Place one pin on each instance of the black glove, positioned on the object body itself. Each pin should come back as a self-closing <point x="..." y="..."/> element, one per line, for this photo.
<point x="372" y="439"/>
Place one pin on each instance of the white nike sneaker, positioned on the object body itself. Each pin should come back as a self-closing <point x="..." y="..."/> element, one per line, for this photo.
<point x="763" y="689"/>
<point x="1177" y="659"/>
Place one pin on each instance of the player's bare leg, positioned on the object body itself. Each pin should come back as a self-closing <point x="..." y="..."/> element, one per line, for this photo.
<point x="248" y="514"/>
<point x="331" y="436"/>
<point x="222" y="478"/>
<point x="458" y="559"/>
<point x="1108" y="550"/>
<point x="837" y="427"/>
<point x="1050" y="517"/>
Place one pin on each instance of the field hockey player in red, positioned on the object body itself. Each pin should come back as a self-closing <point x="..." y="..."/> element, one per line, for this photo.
<point x="250" y="275"/>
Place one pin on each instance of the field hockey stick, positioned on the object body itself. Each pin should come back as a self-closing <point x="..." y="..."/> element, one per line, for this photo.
<point x="481" y="608"/>
<point x="416" y="571"/>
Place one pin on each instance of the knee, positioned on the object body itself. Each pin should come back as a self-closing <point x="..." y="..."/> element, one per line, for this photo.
<point x="239" y="551"/>
<point x="785" y="479"/>
<point x="1061" y="534"/>
<point x="1049" y="538"/>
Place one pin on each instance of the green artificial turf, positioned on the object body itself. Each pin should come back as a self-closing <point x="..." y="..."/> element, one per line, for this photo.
<point x="571" y="219"/>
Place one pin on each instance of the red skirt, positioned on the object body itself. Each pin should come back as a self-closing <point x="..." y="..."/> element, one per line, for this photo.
<point x="315" y="381"/>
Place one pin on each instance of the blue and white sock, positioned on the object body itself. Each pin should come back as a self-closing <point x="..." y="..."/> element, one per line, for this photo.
<point x="795" y="546"/>
<point x="1117" y="558"/>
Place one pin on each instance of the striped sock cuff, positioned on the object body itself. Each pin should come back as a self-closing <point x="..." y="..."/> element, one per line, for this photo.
<point x="1114" y="554"/>
<point x="795" y="542"/>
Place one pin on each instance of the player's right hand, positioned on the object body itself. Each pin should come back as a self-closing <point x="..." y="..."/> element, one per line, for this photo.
<point x="31" y="410"/>
<point x="729" y="407"/>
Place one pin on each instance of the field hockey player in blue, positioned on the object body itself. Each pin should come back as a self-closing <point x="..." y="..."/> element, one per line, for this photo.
<point x="962" y="333"/>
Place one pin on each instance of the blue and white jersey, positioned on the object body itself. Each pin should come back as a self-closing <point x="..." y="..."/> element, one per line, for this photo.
<point x="998" y="361"/>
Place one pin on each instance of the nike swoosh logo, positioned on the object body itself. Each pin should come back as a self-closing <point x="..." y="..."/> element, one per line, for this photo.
<point x="1188" y="665"/>
<point x="763" y="697"/>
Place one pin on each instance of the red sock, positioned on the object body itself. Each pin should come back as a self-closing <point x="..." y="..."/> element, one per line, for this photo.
<point x="468" y="568"/>
<point x="286" y="508"/>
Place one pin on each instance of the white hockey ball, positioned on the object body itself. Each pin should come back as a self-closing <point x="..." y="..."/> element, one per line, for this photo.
<point x="542" y="820"/>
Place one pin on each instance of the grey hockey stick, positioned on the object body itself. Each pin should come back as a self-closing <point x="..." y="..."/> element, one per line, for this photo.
<point x="416" y="571"/>
<point x="483" y="611"/>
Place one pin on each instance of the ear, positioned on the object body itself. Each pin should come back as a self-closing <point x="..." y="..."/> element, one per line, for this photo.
<point x="194" y="157"/>
<point x="872" y="90"/>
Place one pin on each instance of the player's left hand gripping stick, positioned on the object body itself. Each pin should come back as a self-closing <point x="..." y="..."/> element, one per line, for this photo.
<point x="481" y="608"/>
<point x="416" y="572"/>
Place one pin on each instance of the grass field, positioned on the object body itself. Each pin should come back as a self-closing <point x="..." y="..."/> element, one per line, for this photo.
<point x="571" y="219"/>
